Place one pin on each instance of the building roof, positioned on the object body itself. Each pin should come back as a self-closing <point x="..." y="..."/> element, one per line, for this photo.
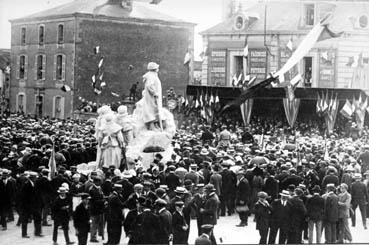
<point x="104" y="8"/>
<point x="344" y="14"/>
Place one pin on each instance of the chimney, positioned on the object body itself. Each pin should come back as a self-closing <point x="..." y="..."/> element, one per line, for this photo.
<point x="228" y="8"/>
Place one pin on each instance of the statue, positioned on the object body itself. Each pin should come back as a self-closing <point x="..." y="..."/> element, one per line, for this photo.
<point x="102" y="111"/>
<point x="152" y="98"/>
<point x="111" y="142"/>
<point x="126" y="122"/>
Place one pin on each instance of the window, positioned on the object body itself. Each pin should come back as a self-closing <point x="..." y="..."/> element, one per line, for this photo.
<point x="239" y="23"/>
<point x="58" y="110"/>
<point x="41" y="35"/>
<point x="23" y="36"/>
<point x="22" y="66"/>
<point x="60" y="34"/>
<point x="40" y="67"/>
<point x="309" y="14"/>
<point x="59" y="67"/>
<point x="363" y="21"/>
<point x="21" y="103"/>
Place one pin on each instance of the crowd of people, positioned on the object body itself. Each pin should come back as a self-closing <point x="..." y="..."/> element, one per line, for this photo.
<point x="298" y="184"/>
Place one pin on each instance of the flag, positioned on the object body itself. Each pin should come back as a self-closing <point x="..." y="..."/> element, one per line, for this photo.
<point x="93" y="79"/>
<point x="364" y="105"/>
<point x="290" y="45"/>
<point x="234" y="80"/>
<point x="187" y="58"/>
<point x="295" y="81"/>
<point x="65" y="88"/>
<point x="346" y="110"/>
<point x="101" y="76"/>
<point x="197" y="104"/>
<point x="353" y="105"/>
<point x="211" y="99"/>
<point x="318" y="108"/>
<point x="325" y="105"/>
<point x="97" y="91"/>
<point x="251" y="82"/>
<point x="239" y="79"/>
<point x="97" y="49"/>
<point x="318" y="33"/>
<point x="52" y="164"/>
<point x="101" y="62"/>
<point x="114" y="94"/>
<point x="216" y="99"/>
<point x="201" y="99"/>
<point x="246" y="51"/>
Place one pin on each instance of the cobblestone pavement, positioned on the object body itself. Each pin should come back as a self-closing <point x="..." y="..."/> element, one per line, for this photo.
<point x="225" y="232"/>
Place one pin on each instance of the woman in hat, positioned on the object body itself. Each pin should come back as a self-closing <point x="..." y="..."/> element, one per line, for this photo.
<point x="60" y="214"/>
<point x="110" y="141"/>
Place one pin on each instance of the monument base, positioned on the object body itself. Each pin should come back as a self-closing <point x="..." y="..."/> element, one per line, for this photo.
<point x="147" y="143"/>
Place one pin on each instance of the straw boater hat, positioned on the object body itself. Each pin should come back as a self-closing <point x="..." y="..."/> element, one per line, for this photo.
<point x="180" y="190"/>
<point x="357" y="176"/>
<point x="285" y="193"/>
<point x="62" y="190"/>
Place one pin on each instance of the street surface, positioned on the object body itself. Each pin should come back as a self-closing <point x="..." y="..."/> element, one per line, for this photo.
<point x="225" y="232"/>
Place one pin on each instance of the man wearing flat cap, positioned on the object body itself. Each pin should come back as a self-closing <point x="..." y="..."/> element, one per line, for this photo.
<point x="359" y="194"/>
<point x="165" y="233"/>
<point x="81" y="219"/>
<point x="152" y="97"/>
<point x="262" y="211"/>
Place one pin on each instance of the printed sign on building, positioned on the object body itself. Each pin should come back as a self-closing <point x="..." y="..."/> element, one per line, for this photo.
<point x="327" y="65"/>
<point x="218" y="67"/>
<point x="258" y="63"/>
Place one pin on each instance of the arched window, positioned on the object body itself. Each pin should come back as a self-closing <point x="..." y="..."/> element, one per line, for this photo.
<point x="41" y="35"/>
<point x="60" y="34"/>
<point x="59" y="67"/>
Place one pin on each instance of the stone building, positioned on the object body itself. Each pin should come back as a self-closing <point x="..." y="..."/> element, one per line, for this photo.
<point x="273" y="29"/>
<point x="55" y="48"/>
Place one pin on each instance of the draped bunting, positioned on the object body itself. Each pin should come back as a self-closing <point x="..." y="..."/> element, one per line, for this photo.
<point x="246" y="109"/>
<point x="291" y="109"/>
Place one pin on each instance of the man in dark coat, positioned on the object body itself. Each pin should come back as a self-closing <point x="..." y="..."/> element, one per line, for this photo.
<point x="165" y="233"/>
<point x="81" y="219"/>
<point x="280" y="219"/>
<point x="315" y="214"/>
<point x="96" y="209"/>
<point x="209" y="212"/>
<point x="297" y="217"/>
<point x="228" y="190"/>
<point x="262" y="211"/>
<point x="172" y="180"/>
<point x="44" y="188"/>
<point x="30" y="205"/>
<point x="204" y="238"/>
<point x="242" y="197"/>
<point x="5" y="200"/>
<point x="146" y="225"/>
<point x="127" y="186"/>
<point x="271" y="187"/>
<point x="179" y="224"/>
<point x="359" y="197"/>
<point x="330" y="214"/>
<point x="60" y="213"/>
<point x="114" y="215"/>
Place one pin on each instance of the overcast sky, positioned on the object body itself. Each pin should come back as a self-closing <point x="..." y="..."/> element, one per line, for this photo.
<point x="205" y="13"/>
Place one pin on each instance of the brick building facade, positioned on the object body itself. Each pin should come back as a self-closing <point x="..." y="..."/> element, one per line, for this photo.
<point x="54" y="48"/>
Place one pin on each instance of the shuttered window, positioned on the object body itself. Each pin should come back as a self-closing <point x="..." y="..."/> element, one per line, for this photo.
<point x="60" y="34"/>
<point x="23" y="36"/>
<point x="41" y="35"/>
<point x="22" y="66"/>
<point x="59" y="64"/>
